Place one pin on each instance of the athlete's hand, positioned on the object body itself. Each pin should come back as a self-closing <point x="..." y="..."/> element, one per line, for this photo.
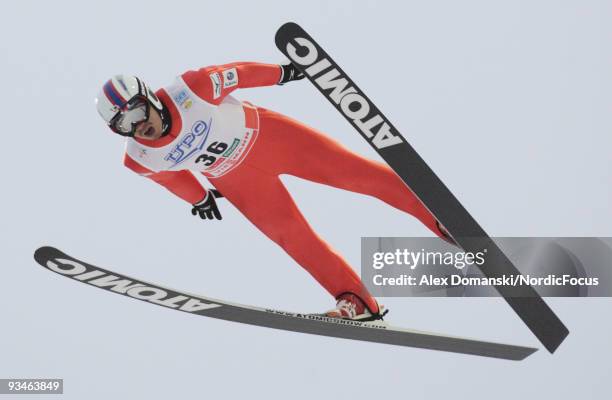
<point x="207" y="208"/>
<point x="289" y="73"/>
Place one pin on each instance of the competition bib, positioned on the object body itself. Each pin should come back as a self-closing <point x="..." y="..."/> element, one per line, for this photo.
<point x="213" y="139"/>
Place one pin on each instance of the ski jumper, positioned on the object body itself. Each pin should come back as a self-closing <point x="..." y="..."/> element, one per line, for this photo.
<point x="243" y="149"/>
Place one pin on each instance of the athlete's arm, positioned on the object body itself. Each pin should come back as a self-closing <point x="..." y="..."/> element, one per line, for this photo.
<point x="182" y="183"/>
<point x="215" y="82"/>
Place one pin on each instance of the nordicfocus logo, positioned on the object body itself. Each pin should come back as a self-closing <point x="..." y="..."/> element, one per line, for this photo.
<point x="127" y="287"/>
<point x="341" y="91"/>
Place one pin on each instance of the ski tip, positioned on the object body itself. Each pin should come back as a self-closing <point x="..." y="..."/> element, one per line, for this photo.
<point x="287" y="29"/>
<point x="289" y="26"/>
<point x="41" y="255"/>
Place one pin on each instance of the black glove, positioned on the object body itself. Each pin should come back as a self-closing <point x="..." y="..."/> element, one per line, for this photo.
<point x="290" y="73"/>
<point x="207" y="208"/>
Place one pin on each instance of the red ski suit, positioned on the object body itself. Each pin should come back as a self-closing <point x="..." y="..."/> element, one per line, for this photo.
<point x="286" y="146"/>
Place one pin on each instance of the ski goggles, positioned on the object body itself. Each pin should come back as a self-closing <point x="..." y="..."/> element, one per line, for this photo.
<point x="136" y="111"/>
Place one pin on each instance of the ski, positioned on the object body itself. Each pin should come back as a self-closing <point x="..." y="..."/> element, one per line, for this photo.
<point x="377" y="332"/>
<point x="385" y="139"/>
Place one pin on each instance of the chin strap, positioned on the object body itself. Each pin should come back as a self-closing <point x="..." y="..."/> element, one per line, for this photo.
<point x="166" y="121"/>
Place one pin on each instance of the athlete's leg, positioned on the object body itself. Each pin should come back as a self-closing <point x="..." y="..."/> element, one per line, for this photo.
<point x="304" y="152"/>
<point x="264" y="200"/>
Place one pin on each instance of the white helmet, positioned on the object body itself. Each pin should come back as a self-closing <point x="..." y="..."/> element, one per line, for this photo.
<point x="119" y="94"/>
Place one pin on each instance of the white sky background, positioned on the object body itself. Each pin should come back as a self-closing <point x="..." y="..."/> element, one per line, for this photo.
<point x="509" y="102"/>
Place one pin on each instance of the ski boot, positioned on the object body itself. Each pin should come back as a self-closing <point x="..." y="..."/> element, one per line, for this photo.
<point x="350" y="306"/>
